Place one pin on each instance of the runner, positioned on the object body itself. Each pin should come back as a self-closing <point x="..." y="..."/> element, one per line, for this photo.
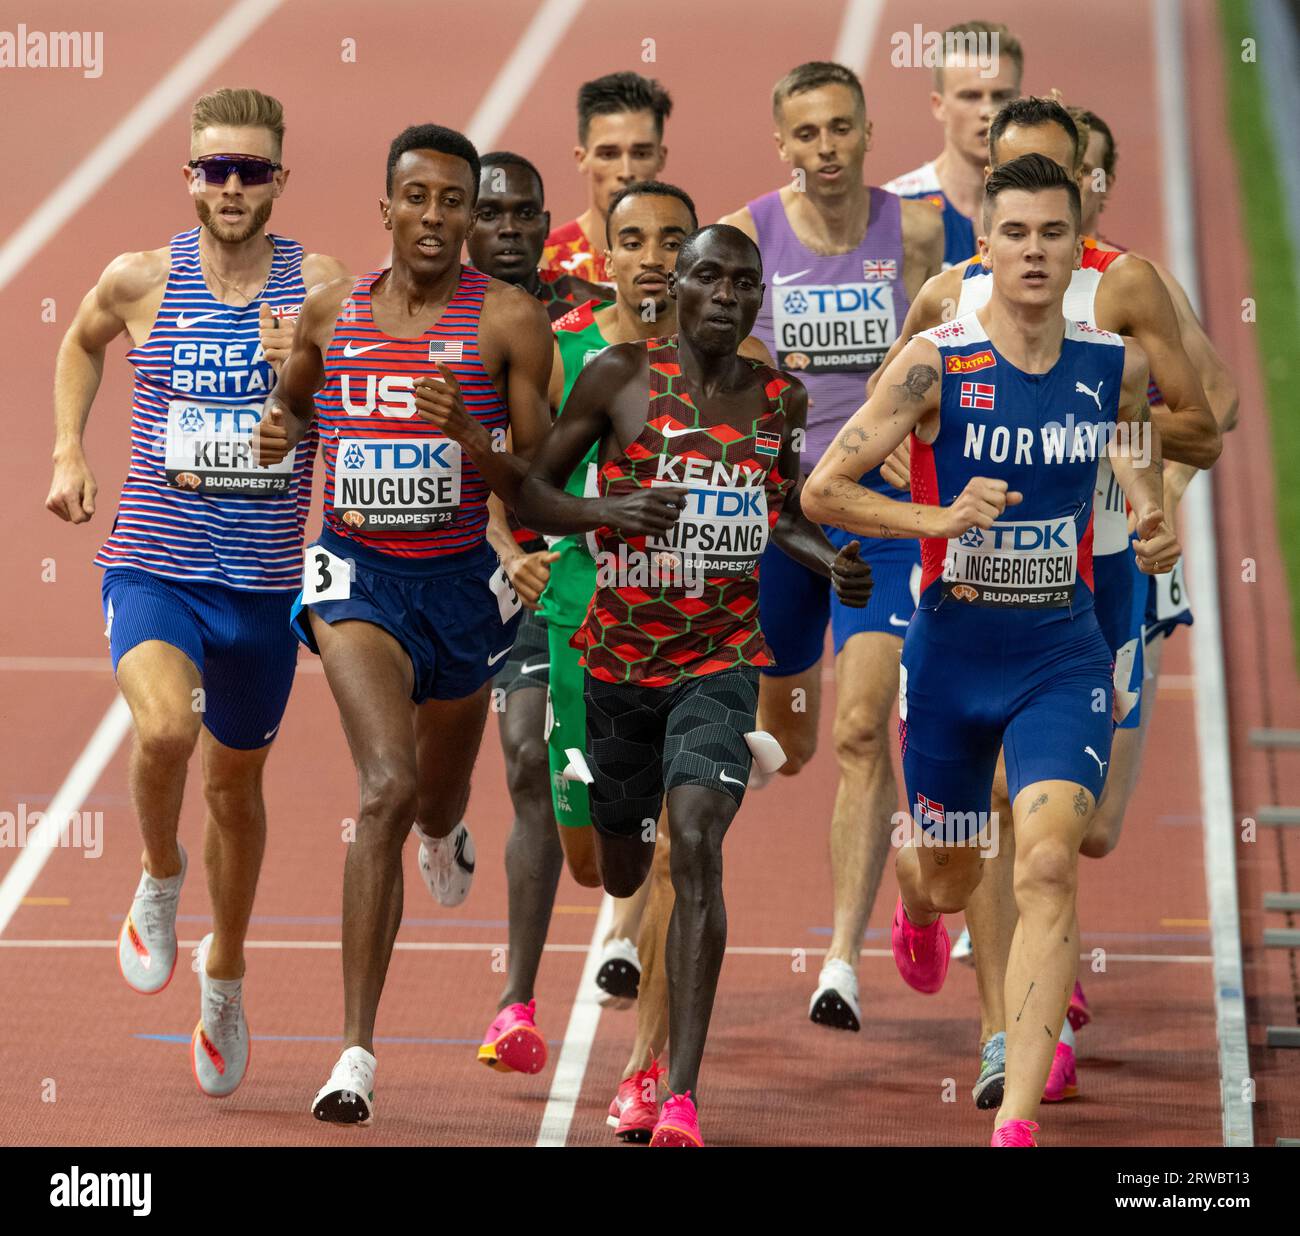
<point x="620" y="140"/>
<point x="201" y="562"/>
<point x="1019" y="590"/>
<point x="1128" y="297"/>
<point x="844" y="261"/>
<point x="964" y="100"/>
<point x="672" y="685"/>
<point x="403" y="597"/>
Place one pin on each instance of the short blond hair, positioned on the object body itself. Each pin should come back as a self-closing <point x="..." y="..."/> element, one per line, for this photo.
<point x="1008" y="45"/>
<point x="241" y="107"/>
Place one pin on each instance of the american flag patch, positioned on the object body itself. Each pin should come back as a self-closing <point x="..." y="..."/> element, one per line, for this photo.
<point x="928" y="811"/>
<point x="767" y="443"/>
<point x="879" y="268"/>
<point x="977" y="395"/>
<point x="446" y="349"/>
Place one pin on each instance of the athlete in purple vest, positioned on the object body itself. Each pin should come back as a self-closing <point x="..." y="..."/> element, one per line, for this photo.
<point x="203" y="558"/>
<point x="1009" y="409"/>
<point x="843" y="261"/>
<point x="416" y="373"/>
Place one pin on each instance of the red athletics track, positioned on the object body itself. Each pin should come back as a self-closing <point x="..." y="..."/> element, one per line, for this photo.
<point x="1148" y="1065"/>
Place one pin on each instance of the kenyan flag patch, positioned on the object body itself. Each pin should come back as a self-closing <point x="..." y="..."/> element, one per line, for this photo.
<point x="767" y="443"/>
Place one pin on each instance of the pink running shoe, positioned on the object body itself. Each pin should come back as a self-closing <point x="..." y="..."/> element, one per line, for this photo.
<point x="635" y="1110"/>
<point x="513" y="1043"/>
<point x="678" y="1123"/>
<point x="921" y="953"/>
<point x="1015" y="1133"/>
<point x="1078" y="1010"/>
<point x="1062" y="1081"/>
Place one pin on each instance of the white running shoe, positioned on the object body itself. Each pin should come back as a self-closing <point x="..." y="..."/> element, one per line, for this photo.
<point x="220" y="1044"/>
<point x="835" y="1002"/>
<point x="963" y="950"/>
<point x="619" y="975"/>
<point x="146" y="945"/>
<point x="447" y="865"/>
<point x="349" y="1095"/>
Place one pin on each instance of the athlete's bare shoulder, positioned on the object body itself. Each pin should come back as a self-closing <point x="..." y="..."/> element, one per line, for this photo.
<point x="512" y="308"/>
<point x="754" y="348"/>
<point x="1129" y="289"/>
<point x="319" y="268"/>
<point x="1136" y="367"/>
<point x="321" y="308"/>
<point x="922" y="229"/>
<point x="130" y="277"/>
<point x="938" y="298"/>
<point x="743" y="220"/>
<point x="921" y="220"/>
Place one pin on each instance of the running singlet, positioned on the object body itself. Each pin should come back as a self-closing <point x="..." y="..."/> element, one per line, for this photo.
<point x="572" y="581"/>
<point x="705" y="619"/>
<point x="1111" y="528"/>
<point x="830" y="319"/>
<point x="1043" y="435"/>
<point x="393" y="482"/>
<point x="958" y="231"/>
<point x="195" y="506"/>
<point x="568" y="252"/>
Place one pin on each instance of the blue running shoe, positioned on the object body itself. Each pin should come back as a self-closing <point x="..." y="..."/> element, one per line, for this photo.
<point x="993" y="1073"/>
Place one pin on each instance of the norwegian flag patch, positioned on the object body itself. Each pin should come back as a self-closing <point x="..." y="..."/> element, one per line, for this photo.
<point x="879" y="268"/>
<point x="446" y="349"/>
<point x="767" y="443"/>
<point x="928" y="811"/>
<point x="977" y="395"/>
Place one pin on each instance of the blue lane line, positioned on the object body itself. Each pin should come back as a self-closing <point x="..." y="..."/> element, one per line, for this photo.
<point x="332" y="1038"/>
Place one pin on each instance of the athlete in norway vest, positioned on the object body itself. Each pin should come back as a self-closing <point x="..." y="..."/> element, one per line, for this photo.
<point x="705" y="617"/>
<point x="195" y="506"/>
<point x="394" y="482"/>
<point x="829" y="319"/>
<point x="1041" y="433"/>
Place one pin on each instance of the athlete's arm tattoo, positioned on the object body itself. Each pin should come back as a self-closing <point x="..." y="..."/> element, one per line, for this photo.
<point x="841" y="487"/>
<point x="852" y="439"/>
<point x="919" y="380"/>
<point x="941" y="859"/>
<point x="1080" y="803"/>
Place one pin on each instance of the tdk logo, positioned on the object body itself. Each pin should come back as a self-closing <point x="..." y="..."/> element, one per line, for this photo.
<point x="726" y="503"/>
<point x="397" y="456"/>
<point x="850" y="299"/>
<point x="192" y="420"/>
<point x="1023" y="537"/>
<point x="972" y="539"/>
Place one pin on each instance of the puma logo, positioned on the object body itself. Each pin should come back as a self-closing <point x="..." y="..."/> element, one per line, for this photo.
<point x="1101" y="764"/>
<point x="1081" y="389"/>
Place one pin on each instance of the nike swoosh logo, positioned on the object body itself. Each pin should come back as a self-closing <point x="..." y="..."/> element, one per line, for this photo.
<point x="535" y="669"/>
<point x="350" y="350"/>
<point x="778" y="280"/>
<point x="492" y="660"/>
<point x="575" y="261"/>
<point x="729" y="780"/>
<point x="896" y="621"/>
<point x="677" y="433"/>
<point x="269" y="734"/>
<point x="184" y="323"/>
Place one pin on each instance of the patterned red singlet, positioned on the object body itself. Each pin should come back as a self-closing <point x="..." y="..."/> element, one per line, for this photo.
<point x="696" y="612"/>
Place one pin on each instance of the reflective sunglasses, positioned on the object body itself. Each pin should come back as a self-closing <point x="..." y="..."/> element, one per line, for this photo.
<point x="217" y="169"/>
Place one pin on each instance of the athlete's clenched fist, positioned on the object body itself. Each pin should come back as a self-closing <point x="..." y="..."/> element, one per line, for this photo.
<point x="646" y="511"/>
<point x="851" y="577"/>
<point x="271" y="436"/>
<point x="1157" y="549"/>
<point x="443" y="405"/>
<point x="978" y="506"/>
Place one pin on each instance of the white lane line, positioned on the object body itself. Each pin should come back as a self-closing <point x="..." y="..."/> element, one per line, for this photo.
<point x="857" y="34"/>
<point x="584" y="1017"/>
<point x="515" y="78"/>
<point x="1201" y="553"/>
<point x="176" y="88"/>
<point x="53" y="827"/>
<point x="457" y="946"/>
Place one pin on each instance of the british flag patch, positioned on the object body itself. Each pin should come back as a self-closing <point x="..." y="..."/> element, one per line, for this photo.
<point x="767" y="443"/>
<point x="879" y="268"/>
<point x="977" y="395"/>
<point x="446" y="349"/>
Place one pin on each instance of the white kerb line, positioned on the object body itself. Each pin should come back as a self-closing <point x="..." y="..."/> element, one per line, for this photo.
<point x="1201" y="553"/>
<point x="53" y="828"/>
<point x="857" y="33"/>
<point x="177" y="87"/>
<point x="579" y="1035"/>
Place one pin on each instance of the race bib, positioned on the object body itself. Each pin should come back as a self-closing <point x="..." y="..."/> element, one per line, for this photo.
<point x="209" y="450"/>
<point x="508" y="602"/>
<point x="722" y="531"/>
<point x="833" y="328"/>
<point x="407" y="484"/>
<point x="1171" y="594"/>
<point x="1025" y="565"/>
<point x="1109" y="514"/>
<point x="325" y="576"/>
